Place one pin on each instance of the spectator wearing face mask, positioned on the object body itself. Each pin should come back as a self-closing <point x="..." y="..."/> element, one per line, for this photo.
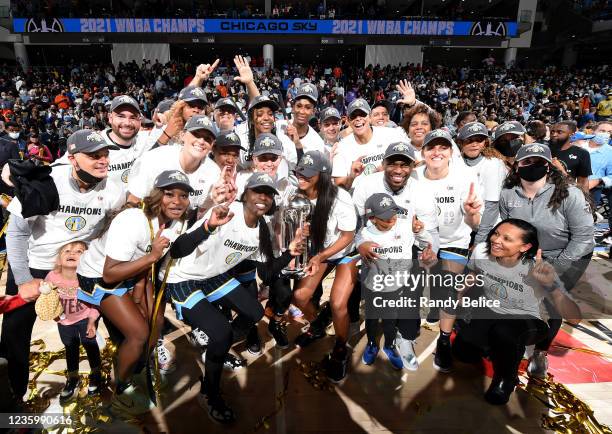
<point x="600" y="182"/>
<point x="11" y="142"/>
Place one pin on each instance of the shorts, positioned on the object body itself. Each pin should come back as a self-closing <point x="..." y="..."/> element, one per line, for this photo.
<point x="94" y="290"/>
<point x="344" y="260"/>
<point x="185" y="295"/>
<point x="454" y="254"/>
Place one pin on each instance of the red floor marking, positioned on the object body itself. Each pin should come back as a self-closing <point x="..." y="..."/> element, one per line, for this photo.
<point x="570" y="367"/>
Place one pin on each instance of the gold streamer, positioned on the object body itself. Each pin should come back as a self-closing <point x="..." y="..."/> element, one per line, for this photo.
<point x="584" y="350"/>
<point x="280" y="402"/>
<point x="86" y="411"/>
<point x="316" y="376"/>
<point x="570" y="414"/>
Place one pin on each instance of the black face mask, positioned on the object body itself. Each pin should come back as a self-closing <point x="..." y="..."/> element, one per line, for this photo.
<point x="533" y="172"/>
<point x="88" y="178"/>
<point x="509" y="149"/>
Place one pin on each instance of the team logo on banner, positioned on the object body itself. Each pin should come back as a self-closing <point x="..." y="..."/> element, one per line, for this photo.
<point x="75" y="223"/>
<point x="488" y="28"/>
<point x="44" y="25"/>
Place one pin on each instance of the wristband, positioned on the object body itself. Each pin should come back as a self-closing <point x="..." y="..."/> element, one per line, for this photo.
<point x="166" y="134"/>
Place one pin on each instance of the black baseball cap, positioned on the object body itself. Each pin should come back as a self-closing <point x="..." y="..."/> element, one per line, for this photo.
<point x="267" y="143"/>
<point x="200" y="122"/>
<point x="402" y="149"/>
<point x="312" y="163"/>
<point x="260" y="179"/>
<point x="87" y="141"/>
<point x="226" y="102"/>
<point x="307" y="90"/>
<point x="359" y="104"/>
<point x="472" y="129"/>
<point x="264" y="101"/>
<point x="123" y="100"/>
<point x="437" y="134"/>
<point x="172" y="177"/>
<point x="228" y="139"/>
<point x="192" y="93"/>
<point x="510" y="127"/>
<point x="164" y="105"/>
<point x="533" y="150"/>
<point x="381" y="205"/>
<point x="329" y="112"/>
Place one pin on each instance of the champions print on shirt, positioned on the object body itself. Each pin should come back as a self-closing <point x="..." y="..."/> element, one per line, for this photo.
<point x="77" y="222"/>
<point x="234" y="257"/>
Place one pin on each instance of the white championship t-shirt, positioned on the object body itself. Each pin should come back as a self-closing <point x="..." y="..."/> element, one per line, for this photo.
<point x="120" y="161"/>
<point x="229" y="245"/>
<point x="371" y="153"/>
<point x="127" y="239"/>
<point x="450" y="193"/>
<point x="491" y="173"/>
<point x="310" y="142"/>
<point x="410" y="198"/>
<point x="154" y="162"/>
<point x="79" y="217"/>
<point x="342" y="217"/>
<point x="395" y="243"/>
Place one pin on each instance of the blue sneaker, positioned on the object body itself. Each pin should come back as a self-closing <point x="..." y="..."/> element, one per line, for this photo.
<point x="394" y="357"/>
<point x="370" y="353"/>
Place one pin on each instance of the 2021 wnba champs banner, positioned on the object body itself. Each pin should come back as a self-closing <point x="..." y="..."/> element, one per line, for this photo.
<point x="263" y="26"/>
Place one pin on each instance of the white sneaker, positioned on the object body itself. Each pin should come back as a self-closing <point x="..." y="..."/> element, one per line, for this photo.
<point x="165" y="360"/>
<point x="405" y="348"/>
<point x="230" y="363"/>
<point x="538" y="364"/>
<point x="198" y="338"/>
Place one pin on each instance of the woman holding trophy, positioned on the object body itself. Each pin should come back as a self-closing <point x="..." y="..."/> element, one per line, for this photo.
<point x="332" y="231"/>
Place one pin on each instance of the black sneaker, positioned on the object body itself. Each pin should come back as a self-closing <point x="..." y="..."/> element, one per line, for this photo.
<point x="71" y="389"/>
<point x="278" y="331"/>
<point x="95" y="383"/>
<point x="323" y="319"/>
<point x="309" y="336"/>
<point x="233" y="363"/>
<point x="218" y="411"/>
<point x="336" y="366"/>
<point x="443" y="359"/>
<point x="253" y="343"/>
<point x="500" y="390"/>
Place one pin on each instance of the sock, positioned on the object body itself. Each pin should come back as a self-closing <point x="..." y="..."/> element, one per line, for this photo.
<point x="444" y="337"/>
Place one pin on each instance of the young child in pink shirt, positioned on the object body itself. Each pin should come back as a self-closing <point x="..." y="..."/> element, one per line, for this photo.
<point x="77" y="325"/>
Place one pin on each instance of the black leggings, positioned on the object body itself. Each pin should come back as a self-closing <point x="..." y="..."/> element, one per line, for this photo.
<point x="209" y="318"/>
<point x="502" y="339"/>
<point x="569" y="278"/>
<point x="16" y="336"/>
<point x="73" y="336"/>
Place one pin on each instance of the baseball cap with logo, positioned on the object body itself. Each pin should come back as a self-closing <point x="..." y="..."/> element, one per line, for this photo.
<point x="381" y="205"/>
<point x="200" y="122"/>
<point x="472" y="129"/>
<point x="192" y="93"/>
<point x="438" y="134"/>
<point x="164" y="105"/>
<point x="267" y="143"/>
<point x="307" y="90"/>
<point x="510" y="127"/>
<point x="260" y="179"/>
<point x="87" y="141"/>
<point x="534" y="150"/>
<point x="228" y="139"/>
<point x="359" y="104"/>
<point x="312" y="163"/>
<point x="401" y="149"/>
<point x="225" y="102"/>
<point x="329" y="112"/>
<point x="581" y="136"/>
<point x="123" y="100"/>
<point x="172" y="177"/>
<point x="263" y="101"/>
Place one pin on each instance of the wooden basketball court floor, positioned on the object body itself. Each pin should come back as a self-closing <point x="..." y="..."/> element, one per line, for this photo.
<point x="272" y="394"/>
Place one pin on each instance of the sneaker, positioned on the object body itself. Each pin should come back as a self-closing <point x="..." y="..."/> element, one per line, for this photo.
<point x="538" y="364"/>
<point x="295" y="312"/>
<point x="218" y="411"/>
<point x="500" y="390"/>
<point x="309" y="336"/>
<point x="443" y="359"/>
<point x="336" y="366"/>
<point x="198" y="338"/>
<point x="370" y="353"/>
<point x="71" y="389"/>
<point x="253" y="343"/>
<point x="233" y="363"/>
<point x="95" y="384"/>
<point x="394" y="357"/>
<point x="131" y="402"/>
<point x="324" y="317"/>
<point x="165" y="361"/>
<point x="405" y="347"/>
<point x="278" y="331"/>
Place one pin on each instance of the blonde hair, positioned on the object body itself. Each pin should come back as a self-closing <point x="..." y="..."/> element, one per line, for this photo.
<point x="58" y="258"/>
